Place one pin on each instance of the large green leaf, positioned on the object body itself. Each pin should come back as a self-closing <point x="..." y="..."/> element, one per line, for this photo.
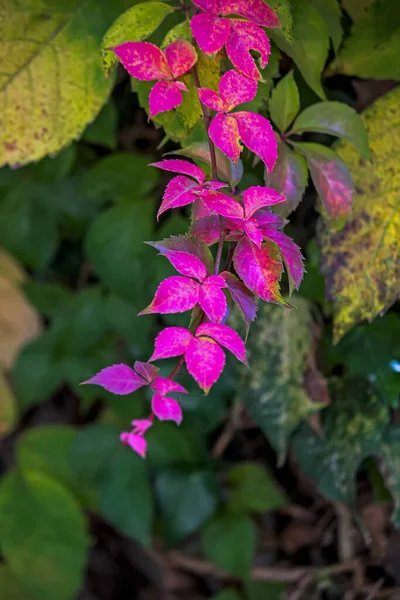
<point x="253" y="489"/>
<point x="354" y="426"/>
<point x="52" y="83"/>
<point x="43" y="535"/>
<point x="284" y="103"/>
<point x="9" y="585"/>
<point x="330" y="10"/>
<point x="278" y="346"/>
<point x="361" y="262"/>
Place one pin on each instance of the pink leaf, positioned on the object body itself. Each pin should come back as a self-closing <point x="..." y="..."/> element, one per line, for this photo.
<point x="142" y="425"/>
<point x="254" y="10"/>
<point x="199" y="210"/>
<point x="184" y="167"/>
<point x="143" y="60"/>
<point x="216" y="280"/>
<point x="213" y="7"/>
<point x="174" y="295"/>
<point x="211" y="99"/>
<point x="165" y="386"/>
<point x="207" y="229"/>
<point x="177" y="193"/>
<point x="205" y="362"/>
<point x="181" y="57"/>
<point x="212" y="299"/>
<point x="136" y="442"/>
<point x="166" y="409"/>
<point x="260" y="269"/>
<point x="246" y="37"/>
<point x="118" y="379"/>
<point x="170" y="342"/>
<point x="186" y="243"/>
<point x="224" y="132"/>
<point x="257" y="134"/>
<point x="241" y="296"/>
<point x="187" y="264"/>
<point x="236" y="89"/>
<point x="257" y="197"/>
<point x="292" y="257"/>
<point x="225" y="336"/>
<point x="147" y="371"/>
<point x="210" y="32"/>
<point x="266" y="219"/>
<point x="222" y="205"/>
<point x="164" y="96"/>
<point x="253" y="233"/>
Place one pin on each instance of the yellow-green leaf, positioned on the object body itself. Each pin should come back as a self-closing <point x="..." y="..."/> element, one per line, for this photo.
<point x="8" y="404"/>
<point x="362" y="260"/>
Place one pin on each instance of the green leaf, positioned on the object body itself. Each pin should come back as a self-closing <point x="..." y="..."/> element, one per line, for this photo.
<point x="43" y="535"/>
<point x="332" y="180"/>
<point x="357" y="9"/>
<point x="289" y="177"/>
<point x="354" y="425"/>
<point x="51" y="168"/>
<point x="278" y="346"/>
<point x="253" y="489"/>
<point x="284" y="10"/>
<point x="181" y="31"/>
<point x="391" y="468"/>
<point x="47" y="298"/>
<point x="309" y="44"/>
<point x="103" y="130"/>
<point x="187" y="500"/>
<point x="360" y="262"/>
<point x="169" y="446"/>
<point x="229" y="541"/>
<point x="134" y="25"/>
<point x="228" y="594"/>
<point x="331" y="12"/>
<point x="52" y="82"/>
<point x="336" y="119"/>
<point x="284" y="103"/>
<point x="264" y="590"/>
<point x="8" y="409"/>
<point x="9" y="585"/>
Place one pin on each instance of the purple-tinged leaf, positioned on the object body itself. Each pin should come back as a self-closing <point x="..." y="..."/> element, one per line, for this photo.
<point x="255" y="10"/>
<point x="257" y="197"/>
<point x="260" y="269"/>
<point x="211" y="99"/>
<point x="253" y="233"/>
<point x="257" y="135"/>
<point x="207" y="229"/>
<point x="241" y="296"/>
<point x="141" y="425"/>
<point x="289" y="178"/>
<point x="210" y="32"/>
<point x="212" y="300"/>
<point x="331" y="178"/>
<point x="225" y="336"/>
<point x="187" y="264"/>
<point x="179" y="192"/>
<point x="174" y="295"/>
<point x="143" y="60"/>
<point x="170" y="342"/>
<point x="118" y="379"/>
<point x="181" y="57"/>
<point x="147" y="371"/>
<point x="266" y="219"/>
<point x="184" y="167"/>
<point x="191" y="244"/>
<point x="199" y="210"/>
<point x="166" y="409"/>
<point x="236" y="89"/>
<point x="224" y="132"/>
<point x="164" y="96"/>
<point x="164" y="386"/>
<point x="136" y="442"/>
<point x="244" y="38"/>
<point x="205" y="361"/>
<point x="222" y="205"/>
<point x="216" y="280"/>
<point x="291" y="255"/>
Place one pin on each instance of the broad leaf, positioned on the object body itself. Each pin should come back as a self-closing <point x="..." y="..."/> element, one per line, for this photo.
<point x="9" y="585"/>
<point x="331" y="12"/>
<point x="278" y="346"/>
<point x="354" y="425"/>
<point x="253" y="489"/>
<point x="365" y="281"/>
<point x="337" y="119"/>
<point x="357" y="9"/>
<point x="103" y="130"/>
<point x="284" y="103"/>
<point x="263" y="590"/>
<point x="289" y="178"/>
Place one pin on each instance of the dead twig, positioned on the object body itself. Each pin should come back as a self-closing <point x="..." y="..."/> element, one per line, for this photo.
<point x="229" y="430"/>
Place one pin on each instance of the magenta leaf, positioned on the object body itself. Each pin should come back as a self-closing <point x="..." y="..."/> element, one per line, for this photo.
<point x="147" y="371"/>
<point x="184" y="167"/>
<point x="212" y="299"/>
<point x="170" y="342"/>
<point x="207" y="229"/>
<point x="179" y="192"/>
<point x="187" y="264"/>
<point x="225" y="336"/>
<point x="164" y="96"/>
<point x="260" y="269"/>
<point x="118" y="379"/>
<point x="136" y="442"/>
<point x="222" y="205"/>
<point x="174" y="295"/>
<point x="166" y="409"/>
<point x="191" y="244"/>
<point x="266" y="219"/>
<point x="224" y="132"/>
<point x="142" y="425"/>
<point x="253" y="233"/>
<point x="257" y="197"/>
<point x="214" y="7"/>
<point x="241" y="296"/>
<point x="205" y="362"/>
<point x="143" y="60"/>
<point x="211" y="99"/>
<point x="210" y="32"/>
<point x="289" y="177"/>
<point x="235" y="89"/>
<point x="200" y="210"/>
<point x="291" y="255"/>
<point x="165" y="386"/>
<point x="181" y="57"/>
<point x="246" y="37"/>
<point x="254" y="10"/>
<point x="257" y="134"/>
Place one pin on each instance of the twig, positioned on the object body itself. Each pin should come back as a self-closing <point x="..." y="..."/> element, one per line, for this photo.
<point x="345" y="543"/>
<point x="229" y="430"/>
<point x="375" y="589"/>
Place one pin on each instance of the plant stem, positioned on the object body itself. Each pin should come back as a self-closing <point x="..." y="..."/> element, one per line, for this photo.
<point x="207" y="120"/>
<point x="177" y="367"/>
<point x="220" y="247"/>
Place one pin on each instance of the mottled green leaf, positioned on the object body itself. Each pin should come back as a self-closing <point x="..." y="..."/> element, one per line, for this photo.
<point x="330" y="10"/>
<point x="278" y="346"/>
<point x="362" y="261"/>
<point x="8" y="408"/>
<point x="253" y="489"/>
<point x="284" y="103"/>
<point x="134" y="25"/>
<point x="289" y="177"/>
<point x="354" y="426"/>
<point x="229" y="541"/>
<point x="180" y="31"/>
<point x="284" y="10"/>
<point x="337" y="119"/>
<point x="391" y="468"/>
